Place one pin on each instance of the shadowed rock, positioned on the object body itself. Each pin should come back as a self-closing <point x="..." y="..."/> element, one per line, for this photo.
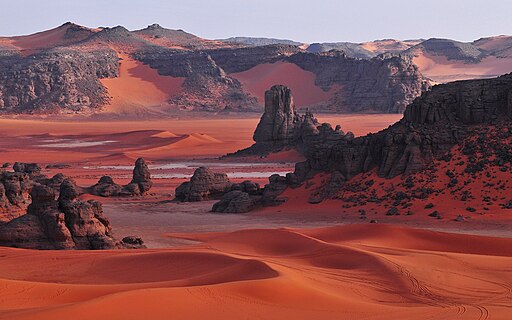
<point x="141" y="183"/>
<point x="29" y="168"/>
<point x="203" y="185"/>
<point x="15" y="190"/>
<point x="235" y="202"/>
<point x="66" y="223"/>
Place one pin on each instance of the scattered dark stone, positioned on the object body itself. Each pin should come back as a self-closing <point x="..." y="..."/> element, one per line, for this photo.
<point x="393" y="212"/>
<point x="460" y="218"/>
<point x="435" y="214"/>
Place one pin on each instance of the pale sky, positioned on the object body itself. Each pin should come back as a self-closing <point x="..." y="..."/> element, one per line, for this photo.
<point x="300" y="20"/>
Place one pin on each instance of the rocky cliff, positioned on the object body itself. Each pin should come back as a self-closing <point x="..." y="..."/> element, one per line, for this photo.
<point x="57" y="80"/>
<point x="63" y="75"/>
<point x="432" y="125"/>
<point x="386" y="83"/>
<point x="38" y="212"/>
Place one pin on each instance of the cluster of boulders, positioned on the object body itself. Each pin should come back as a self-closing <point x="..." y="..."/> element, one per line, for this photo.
<point x="232" y="197"/>
<point x="63" y="223"/>
<point x="203" y="185"/>
<point x="141" y="183"/>
<point x="38" y="212"/>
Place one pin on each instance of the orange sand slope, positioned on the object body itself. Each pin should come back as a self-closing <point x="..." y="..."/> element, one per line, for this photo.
<point x="344" y="272"/>
<point x="302" y="83"/>
<point x="139" y="87"/>
<point x="442" y="70"/>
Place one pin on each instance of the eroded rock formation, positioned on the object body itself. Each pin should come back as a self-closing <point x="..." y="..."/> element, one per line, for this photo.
<point x="141" y="183"/>
<point x="282" y="127"/>
<point x="66" y="223"/>
<point x="64" y="76"/>
<point x="203" y="185"/>
<point x="15" y="190"/>
<point x="431" y="126"/>
<point x="32" y="217"/>
<point x="63" y="223"/>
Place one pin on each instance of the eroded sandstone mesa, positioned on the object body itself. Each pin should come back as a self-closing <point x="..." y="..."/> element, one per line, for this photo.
<point x="63" y="223"/>
<point x="203" y="185"/>
<point x="32" y="217"/>
<point x="15" y="190"/>
<point x="141" y="183"/>
<point x="279" y="122"/>
<point x="63" y="75"/>
<point x="431" y="126"/>
<point x="208" y="185"/>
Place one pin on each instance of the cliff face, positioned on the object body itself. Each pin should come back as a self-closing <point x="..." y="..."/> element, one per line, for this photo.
<point x="58" y="80"/>
<point x="207" y="87"/>
<point x="384" y="84"/>
<point x="432" y="124"/>
<point x="63" y="75"/>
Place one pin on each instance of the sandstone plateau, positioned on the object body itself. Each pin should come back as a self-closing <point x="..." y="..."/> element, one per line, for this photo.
<point x="47" y="213"/>
<point x="73" y="69"/>
<point x="462" y="129"/>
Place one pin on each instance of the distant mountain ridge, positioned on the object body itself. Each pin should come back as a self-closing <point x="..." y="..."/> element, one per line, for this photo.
<point x="64" y="70"/>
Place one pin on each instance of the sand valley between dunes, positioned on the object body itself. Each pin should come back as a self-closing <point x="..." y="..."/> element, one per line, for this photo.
<point x="341" y="272"/>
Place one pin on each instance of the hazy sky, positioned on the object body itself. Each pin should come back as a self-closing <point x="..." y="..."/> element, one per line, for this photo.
<point x="301" y="20"/>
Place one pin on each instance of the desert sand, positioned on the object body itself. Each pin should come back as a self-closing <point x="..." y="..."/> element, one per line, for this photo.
<point x="139" y="88"/>
<point x="442" y="70"/>
<point x="305" y="92"/>
<point x="341" y="272"/>
<point x="290" y="261"/>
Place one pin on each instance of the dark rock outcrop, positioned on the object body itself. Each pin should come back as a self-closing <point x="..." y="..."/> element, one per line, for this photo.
<point x="141" y="183"/>
<point x="141" y="177"/>
<point x="203" y="185"/>
<point x="56" y="80"/>
<point x="29" y="168"/>
<point x="281" y="127"/>
<point x="15" y="188"/>
<point x="242" y="198"/>
<point x="279" y="123"/>
<point x="65" y="223"/>
<point x="235" y="201"/>
<point x="431" y="126"/>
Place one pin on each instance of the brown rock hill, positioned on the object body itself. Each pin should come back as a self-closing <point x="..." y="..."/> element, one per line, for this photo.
<point x="459" y="114"/>
<point x="63" y="75"/>
<point x="32" y="217"/>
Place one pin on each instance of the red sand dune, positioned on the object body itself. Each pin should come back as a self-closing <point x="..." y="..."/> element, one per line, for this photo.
<point x="139" y="87"/>
<point x="342" y="272"/>
<point x="302" y="83"/>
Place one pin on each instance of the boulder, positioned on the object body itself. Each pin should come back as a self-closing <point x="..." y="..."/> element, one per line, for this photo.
<point x="235" y="201"/>
<point x="29" y="168"/>
<point x="203" y="185"/>
<point x="141" y="183"/>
